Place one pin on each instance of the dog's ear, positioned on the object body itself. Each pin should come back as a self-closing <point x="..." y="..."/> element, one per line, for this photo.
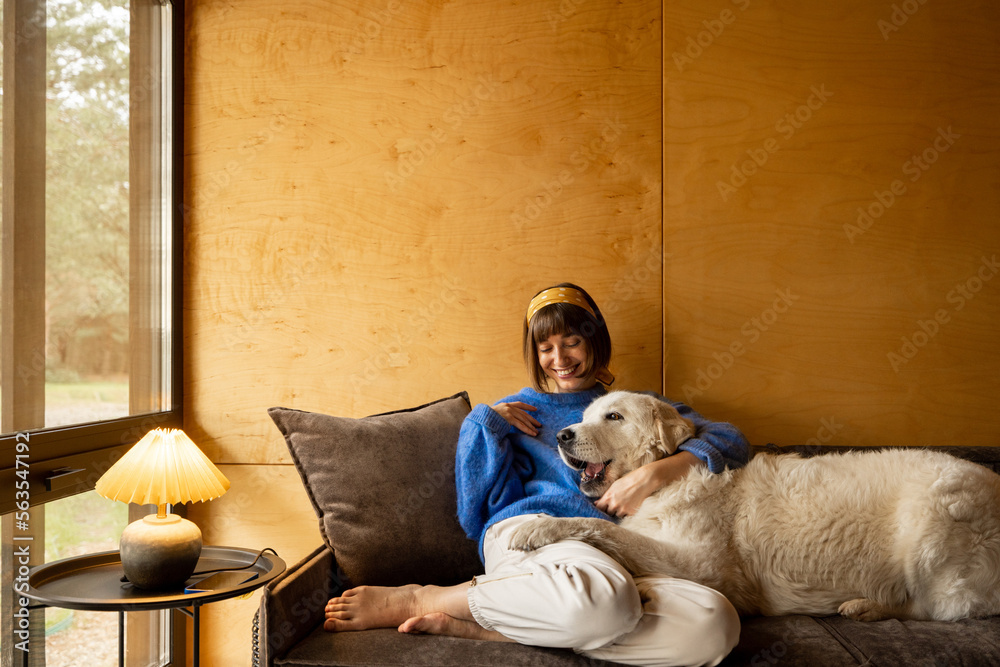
<point x="671" y="428"/>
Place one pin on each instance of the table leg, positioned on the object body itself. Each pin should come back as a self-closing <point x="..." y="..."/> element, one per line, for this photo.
<point x="197" y="642"/>
<point x="121" y="639"/>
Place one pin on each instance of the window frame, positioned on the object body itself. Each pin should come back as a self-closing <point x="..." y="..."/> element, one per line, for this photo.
<point x="68" y="460"/>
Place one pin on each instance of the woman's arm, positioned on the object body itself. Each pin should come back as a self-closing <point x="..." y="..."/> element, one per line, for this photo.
<point x="626" y="494"/>
<point x="719" y="444"/>
<point x="484" y="476"/>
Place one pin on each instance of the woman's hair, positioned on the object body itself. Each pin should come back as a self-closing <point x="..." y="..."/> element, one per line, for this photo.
<point x="566" y="319"/>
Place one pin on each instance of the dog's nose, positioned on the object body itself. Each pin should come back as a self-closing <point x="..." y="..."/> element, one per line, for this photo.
<point x="565" y="436"/>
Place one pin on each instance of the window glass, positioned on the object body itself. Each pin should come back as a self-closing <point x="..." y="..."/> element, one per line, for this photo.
<point x="82" y="524"/>
<point x="89" y="309"/>
<point x="87" y="211"/>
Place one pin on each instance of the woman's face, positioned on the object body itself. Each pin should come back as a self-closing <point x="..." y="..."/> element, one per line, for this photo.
<point x="565" y="359"/>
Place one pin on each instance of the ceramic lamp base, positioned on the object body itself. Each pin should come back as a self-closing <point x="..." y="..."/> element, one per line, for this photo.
<point x="160" y="553"/>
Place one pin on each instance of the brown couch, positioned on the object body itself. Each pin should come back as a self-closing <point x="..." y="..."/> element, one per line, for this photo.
<point x="383" y="488"/>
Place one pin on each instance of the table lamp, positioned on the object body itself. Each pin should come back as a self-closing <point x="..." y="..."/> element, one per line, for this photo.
<point x="160" y="551"/>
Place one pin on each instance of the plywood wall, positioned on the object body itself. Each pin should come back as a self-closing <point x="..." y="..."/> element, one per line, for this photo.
<point x="788" y="211"/>
<point x="831" y="205"/>
<point x="375" y="190"/>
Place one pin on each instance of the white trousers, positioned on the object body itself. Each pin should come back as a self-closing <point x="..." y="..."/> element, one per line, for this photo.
<point x="572" y="595"/>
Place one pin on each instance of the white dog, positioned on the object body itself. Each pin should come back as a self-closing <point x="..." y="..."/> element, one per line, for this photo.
<point x="905" y="533"/>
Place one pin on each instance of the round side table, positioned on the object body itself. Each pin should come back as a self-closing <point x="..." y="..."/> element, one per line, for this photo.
<point x="94" y="582"/>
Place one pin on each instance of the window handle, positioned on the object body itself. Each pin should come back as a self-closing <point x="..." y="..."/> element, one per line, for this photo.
<point x="60" y="478"/>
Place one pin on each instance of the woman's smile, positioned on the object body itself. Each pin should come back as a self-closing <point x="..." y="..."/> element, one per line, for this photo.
<point x="565" y="359"/>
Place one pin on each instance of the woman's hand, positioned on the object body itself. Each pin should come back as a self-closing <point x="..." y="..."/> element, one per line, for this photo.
<point x="516" y="414"/>
<point x="625" y="495"/>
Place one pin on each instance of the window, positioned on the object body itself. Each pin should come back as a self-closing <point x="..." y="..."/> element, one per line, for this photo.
<point x="90" y="255"/>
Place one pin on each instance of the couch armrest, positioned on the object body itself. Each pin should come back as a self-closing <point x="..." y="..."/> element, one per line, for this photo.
<point x="292" y="604"/>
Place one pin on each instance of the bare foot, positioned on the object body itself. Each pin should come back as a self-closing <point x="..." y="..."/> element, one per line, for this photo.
<point x="367" y="607"/>
<point x="440" y="623"/>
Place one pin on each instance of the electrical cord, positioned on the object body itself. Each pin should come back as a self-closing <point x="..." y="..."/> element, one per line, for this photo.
<point x="124" y="579"/>
<point x="235" y="569"/>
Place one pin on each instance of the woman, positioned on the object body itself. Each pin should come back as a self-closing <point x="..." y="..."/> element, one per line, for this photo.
<point x="508" y="471"/>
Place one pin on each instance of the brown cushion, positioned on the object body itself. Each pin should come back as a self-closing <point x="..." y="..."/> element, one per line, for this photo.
<point x="384" y="490"/>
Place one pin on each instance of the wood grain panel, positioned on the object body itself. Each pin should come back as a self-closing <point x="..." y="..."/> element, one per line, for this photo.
<point x="376" y="192"/>
<point x="845" y="157"/>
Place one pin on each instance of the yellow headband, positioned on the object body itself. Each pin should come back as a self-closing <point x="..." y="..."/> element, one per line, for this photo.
<point x="558" y="295"/>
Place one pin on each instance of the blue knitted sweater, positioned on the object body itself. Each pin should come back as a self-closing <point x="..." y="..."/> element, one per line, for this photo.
<point x="501" y="472"/>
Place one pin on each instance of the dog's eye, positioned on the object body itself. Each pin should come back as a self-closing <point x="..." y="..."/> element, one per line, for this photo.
<point x="613" y="416"/>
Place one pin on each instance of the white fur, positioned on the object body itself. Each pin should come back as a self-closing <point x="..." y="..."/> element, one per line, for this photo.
<point x="903" y="533"/>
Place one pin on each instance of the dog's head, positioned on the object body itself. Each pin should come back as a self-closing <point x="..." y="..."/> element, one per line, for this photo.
<point x="620" y="432"/>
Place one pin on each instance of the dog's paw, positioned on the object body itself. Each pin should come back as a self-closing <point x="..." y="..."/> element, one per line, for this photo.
<point x="535" y="534"/>
<point x="863" y="609"/>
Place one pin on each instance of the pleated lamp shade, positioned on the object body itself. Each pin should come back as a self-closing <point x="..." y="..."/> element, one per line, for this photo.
<point x="164" y="467"/>
<point x="160" y="551"/>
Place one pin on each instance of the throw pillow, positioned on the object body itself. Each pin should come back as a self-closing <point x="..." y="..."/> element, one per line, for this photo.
<point x="383" y="488"/>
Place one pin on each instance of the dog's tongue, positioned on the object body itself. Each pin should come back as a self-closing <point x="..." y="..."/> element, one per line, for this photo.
<point x="593" y="470"/>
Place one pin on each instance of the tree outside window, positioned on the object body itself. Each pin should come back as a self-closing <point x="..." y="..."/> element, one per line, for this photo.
<point x="89" y="314"/>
